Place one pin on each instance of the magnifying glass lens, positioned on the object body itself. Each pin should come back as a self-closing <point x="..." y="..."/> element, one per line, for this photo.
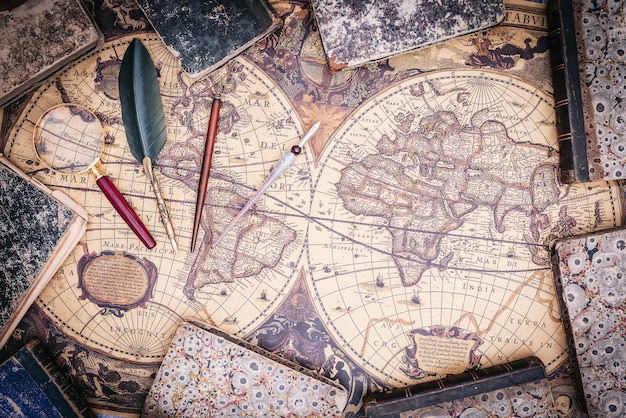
<point x="69" y="138"/>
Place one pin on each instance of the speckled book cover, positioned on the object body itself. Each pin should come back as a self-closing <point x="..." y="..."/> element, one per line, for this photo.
<point x="592" y="281"/>
<point x="515" y="389"/>
<point x="39" y="38"/>
<point x="38" y="229"/>
<point x="32" y="385"/>
<point x="204" y="35"/>
<point x="587" y="50"/>
<point x="355" y="33"/>
<point x="207" y="372"/>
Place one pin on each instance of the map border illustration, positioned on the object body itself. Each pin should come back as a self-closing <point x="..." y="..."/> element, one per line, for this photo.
<point x="345" y="265"/>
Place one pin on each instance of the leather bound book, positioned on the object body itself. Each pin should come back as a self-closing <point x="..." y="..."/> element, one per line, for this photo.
<point x="518" y="388"/>
<point x="587" y="50"/>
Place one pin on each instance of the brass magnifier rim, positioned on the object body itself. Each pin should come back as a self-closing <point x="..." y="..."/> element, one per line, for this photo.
<point x="39" y="129"/>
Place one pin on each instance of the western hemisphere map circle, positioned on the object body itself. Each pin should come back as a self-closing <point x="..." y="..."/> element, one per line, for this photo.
<point x="115" y="296"/>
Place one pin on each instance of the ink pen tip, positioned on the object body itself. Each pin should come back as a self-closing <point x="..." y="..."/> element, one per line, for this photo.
<point x="216" y="243"/>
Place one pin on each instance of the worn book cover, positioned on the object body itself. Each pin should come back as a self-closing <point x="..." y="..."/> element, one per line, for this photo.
<point x="32" y="385"/>
<point x="38" y="229"/>
<point x="519" y="388"/>
<point x="207" y="372"/>
<point x="204" y="35"/>
<point x="591" y="279"/>
<point x="39" y="38"/>
<point x="356" y="33"/>
<point x="587" y="49"/>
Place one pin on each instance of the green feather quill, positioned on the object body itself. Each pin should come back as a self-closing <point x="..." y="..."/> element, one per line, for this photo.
<point x="143" y="116"/>
<point x="142" y="109"/>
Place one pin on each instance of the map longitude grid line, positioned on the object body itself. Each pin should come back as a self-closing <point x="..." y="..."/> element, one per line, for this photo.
<point x="126" y="163"/>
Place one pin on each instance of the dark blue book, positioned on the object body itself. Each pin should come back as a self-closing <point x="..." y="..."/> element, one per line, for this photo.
<point x="32" y="385"/>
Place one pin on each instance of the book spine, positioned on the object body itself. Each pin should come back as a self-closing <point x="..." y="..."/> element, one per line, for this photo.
<point x="49" y="377"/>
<point x="567" y="327"/>
<point x="452" y="387"/>
<point x="568" y="106"/>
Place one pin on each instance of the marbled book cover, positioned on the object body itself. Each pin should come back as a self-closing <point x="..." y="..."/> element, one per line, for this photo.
<point x="592" y="280"/>
<point x="516" y="389"/>
<point x="40" y="37"/>
<point x="204" y="35"/>
<point x="38" y="228"/>
<point x="207" y="372"/>
<point x="588" y="49"/>
<point x="358" y="32"/>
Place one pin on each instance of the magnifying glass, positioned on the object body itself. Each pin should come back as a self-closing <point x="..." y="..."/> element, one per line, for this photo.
<point x="70" y="138"/>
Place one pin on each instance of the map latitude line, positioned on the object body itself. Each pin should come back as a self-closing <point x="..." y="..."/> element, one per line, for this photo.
<point x="321" y="221"/>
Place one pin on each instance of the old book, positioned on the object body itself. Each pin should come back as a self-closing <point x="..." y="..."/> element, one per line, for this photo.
<point x="587" y="46"/>
<point x="591" y="277"/>
<point x="519" y="388"/>
<point x="39" y="38"/>
<point x="32" y="385"/>
<point x="357" y="33"/>
<point x="38" y="229"/>
<point x="207" y="372"/>
<point x="204" y="35"/>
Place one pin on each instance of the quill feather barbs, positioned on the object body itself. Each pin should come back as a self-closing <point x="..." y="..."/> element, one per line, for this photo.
<point x="142" y="109"/>
<point x="143" y="116"/>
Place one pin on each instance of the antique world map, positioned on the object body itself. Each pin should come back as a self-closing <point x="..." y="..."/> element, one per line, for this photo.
<point x="416" y="237"/>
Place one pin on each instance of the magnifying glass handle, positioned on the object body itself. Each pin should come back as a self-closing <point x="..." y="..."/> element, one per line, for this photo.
<point x="126" y="212"/>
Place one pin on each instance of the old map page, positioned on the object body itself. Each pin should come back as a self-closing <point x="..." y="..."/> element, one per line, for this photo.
<point x="409" y="240"/>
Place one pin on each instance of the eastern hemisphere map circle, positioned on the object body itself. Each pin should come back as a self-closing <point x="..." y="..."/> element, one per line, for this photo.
<point x="435" y="194"/>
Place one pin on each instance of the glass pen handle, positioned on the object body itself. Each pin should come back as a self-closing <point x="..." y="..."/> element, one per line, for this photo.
<point x="283" y="164"/>
<point x="126" y="212"/>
